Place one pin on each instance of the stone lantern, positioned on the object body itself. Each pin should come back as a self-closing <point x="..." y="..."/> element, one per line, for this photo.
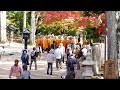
<point x="26" y="36"/>
<point x="88" y="67"/>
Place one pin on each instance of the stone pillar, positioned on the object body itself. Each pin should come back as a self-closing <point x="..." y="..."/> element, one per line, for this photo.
<point x="3" y="36"/>
<point x="112" y="38"/>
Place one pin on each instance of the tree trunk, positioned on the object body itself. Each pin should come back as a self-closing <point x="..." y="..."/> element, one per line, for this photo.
<point x="24" y="20"/>
<point x="112" y="37"/>
<point x="33" y="28"/>
<point x="3" y="37"/>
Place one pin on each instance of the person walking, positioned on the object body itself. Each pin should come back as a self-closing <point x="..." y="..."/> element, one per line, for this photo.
<point x="25" y="58"/>
<point x="76" y="56"/>
<point x="58" y="57"/>
<point x="15" y="71"/>
<point x="38" y="51"/>
<point x="62" y="48"/>
<point x="50" y="59"/>
<point x="84" y="51"/>
<point x="70" y="72"/>
<point x="33" y="58"/>
<point x="68" y="51"/>
<point x="25" y="74"/>
<point x="53" y="46"/>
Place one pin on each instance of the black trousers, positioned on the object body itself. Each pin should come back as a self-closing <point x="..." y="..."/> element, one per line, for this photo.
<point x="68" y="56"/>
<point x="50" y="66"/>
<point x="63" y="59"/>
<point x="33" y="60"/>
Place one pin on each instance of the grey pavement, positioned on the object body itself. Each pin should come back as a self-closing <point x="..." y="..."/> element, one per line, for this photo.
<point x="7" y="61"/>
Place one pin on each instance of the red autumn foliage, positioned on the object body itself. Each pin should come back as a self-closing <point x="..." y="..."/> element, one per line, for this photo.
<point x="51" y="16"/>
<point x="101" y="29"/>
<point x="85" y="21"/>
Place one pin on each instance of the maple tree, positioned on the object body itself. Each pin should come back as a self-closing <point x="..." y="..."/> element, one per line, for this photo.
<point x="51" y="16"/>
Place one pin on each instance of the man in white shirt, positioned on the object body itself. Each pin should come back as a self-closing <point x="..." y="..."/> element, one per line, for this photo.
<point x="84" y="50"/>
<point x="50" y="59"/>
<point x="62" y="48"/>
<point x="58" y="57"/>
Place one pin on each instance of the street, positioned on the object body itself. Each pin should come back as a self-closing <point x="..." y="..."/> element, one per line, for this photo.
<point x="41" y="73"/>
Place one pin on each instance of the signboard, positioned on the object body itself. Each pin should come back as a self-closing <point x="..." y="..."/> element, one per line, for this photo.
<point x="110" y="69"/>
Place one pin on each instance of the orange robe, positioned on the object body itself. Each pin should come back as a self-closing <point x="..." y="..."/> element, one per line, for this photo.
<point x="59" y="41"/>
<point x="56" y="42"/>
<point x="70" y="41"/>
<point x="45" y="43"/>
<point x="85" y="42"/>
<point x="49" y="42"/>
<point x="64" y="42"/>
<point x="38" y="41"/>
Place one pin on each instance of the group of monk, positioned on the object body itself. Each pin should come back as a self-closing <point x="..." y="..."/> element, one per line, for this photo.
<point x="46" y="41"/>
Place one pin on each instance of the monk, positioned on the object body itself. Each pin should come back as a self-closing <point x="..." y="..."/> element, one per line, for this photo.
<point x="64" y="42"/>
<point x="59" y="40"/>
<point x="85" y="42"/>
<point x="56" y="41"/>
<point x="70" y="40"/>
<point x="48" y="40"/>
<point x="45" y="43"/>
<point x="37" y="42"/>
<point x="51" y="40"/>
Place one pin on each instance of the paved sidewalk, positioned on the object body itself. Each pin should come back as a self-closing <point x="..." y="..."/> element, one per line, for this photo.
<point x="7" y="61"/>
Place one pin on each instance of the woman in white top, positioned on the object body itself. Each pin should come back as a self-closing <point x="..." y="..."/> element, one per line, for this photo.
<point x="62" y="48"/>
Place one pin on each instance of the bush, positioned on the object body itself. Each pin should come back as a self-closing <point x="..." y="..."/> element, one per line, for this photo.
<point x="2" y="42"/>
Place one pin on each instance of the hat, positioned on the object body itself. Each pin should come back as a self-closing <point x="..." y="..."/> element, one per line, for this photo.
<point x="51" y="51"/>
<point x="24" y="50"/>
<point x="77" y="46"/>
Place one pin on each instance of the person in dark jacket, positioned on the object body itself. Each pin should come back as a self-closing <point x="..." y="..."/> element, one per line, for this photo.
<point x="33" y="58"/>
<point x="53" y="46"/>
<point x="25" y="58"/>
<point x="70" y="72"/>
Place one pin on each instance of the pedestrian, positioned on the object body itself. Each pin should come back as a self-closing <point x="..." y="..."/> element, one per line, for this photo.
<point x="50" y="59"/>
<point x="53" y="46"/>
<point x="58" y="57"/>
<point x="33" y="58"/>
<point x="72" y="59"/>
<point x="25" y="58"/>
<point x="84" y="51"/>
<point x="62" y="48"/>
<point x="15" y="71"/>
<point x="25" y="74"/>
<point x="68" y="51"/>
<point x="76" y="56"/>
<point x="38" y="51"/>
<point x="70" y="73"/>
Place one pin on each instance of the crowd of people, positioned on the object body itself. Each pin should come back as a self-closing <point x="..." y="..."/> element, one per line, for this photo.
<point x="58" y="49"/>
